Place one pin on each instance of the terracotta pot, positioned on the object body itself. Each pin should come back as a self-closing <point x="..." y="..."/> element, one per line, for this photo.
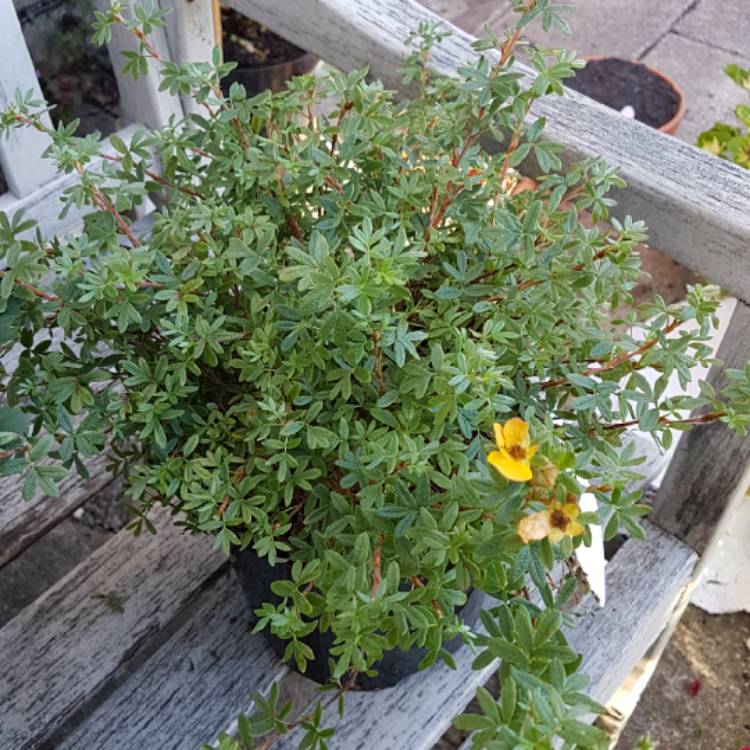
<point x="669" y="127"/>
<point x="524" y="183"/>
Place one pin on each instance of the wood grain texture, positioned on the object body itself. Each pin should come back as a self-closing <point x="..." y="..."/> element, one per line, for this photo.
<point x="613" y="638"/>
<point x="61" y="650"/>
<point x="44" y="204"/>
<point x="20" y="154"/>
<point x="710" y="471"/>
<point x="414" y="714"/>
<point x="696" y="206"/>
<point x="191" y="35"/>
<point x="23" y="522"/>
<point x="192" y="687"/>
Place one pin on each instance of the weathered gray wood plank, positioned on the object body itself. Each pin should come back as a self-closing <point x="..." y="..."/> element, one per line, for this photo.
<point x="61" y="650"/>
<point x="192" y="687"/>
<point x="710" y="471"/>
<point x="696" y="206"/>
<point x="22" y="522"/>
<point x="613" y="638"/>
<point x="414" y="714"/>
<point x="21" y="153"/>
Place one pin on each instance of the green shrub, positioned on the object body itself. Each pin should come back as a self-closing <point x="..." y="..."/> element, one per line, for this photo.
<point x="307" y="351"/>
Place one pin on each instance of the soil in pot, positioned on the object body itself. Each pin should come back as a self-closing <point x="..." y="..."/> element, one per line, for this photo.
<point x="75" y="75"/>
<point x="618" y="83"/>
<point x="256" y="577"/>
<point x="264" y="59"/>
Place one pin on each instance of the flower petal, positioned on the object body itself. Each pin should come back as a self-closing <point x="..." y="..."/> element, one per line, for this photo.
<point x="531" y="450"/>
<point x="516" y="432"/>
<point x="516" y="471"/>
<point x="534" y="527"/>
<point x="572" y="511"/>
<point x="556" y="535"/>
<point x="575" y="528"/>
<point x="497" y="428"/>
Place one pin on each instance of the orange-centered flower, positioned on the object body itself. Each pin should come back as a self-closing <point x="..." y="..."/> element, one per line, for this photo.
<point x="514" y="450"/>
<point x="562" y="521"/>
<point x="556" y="522"/>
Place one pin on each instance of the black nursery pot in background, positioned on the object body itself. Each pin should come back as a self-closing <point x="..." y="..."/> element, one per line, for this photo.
<point x="265" y="61"/>
<point x="256" y="577"/>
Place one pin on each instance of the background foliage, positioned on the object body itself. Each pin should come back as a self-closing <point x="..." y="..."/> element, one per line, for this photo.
<point x="731" y="142"/>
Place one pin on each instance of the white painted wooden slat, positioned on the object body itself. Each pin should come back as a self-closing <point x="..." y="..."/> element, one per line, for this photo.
<point x="192" y="36"/>
<point x="22" y="522"/>
<point x="141" y="99"/>
<point x="44" y="204"/>
<point x="414" y="714"/>
<point x="187" y="691"/>
<point x="696" y="206"/>
<point x="21" y="154"/>
<point x="62" y="649"/>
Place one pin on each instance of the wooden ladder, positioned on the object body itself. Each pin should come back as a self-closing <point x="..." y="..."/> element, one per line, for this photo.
<point x="175" y="667"/>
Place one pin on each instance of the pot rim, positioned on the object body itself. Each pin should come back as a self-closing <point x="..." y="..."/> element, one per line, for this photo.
<point x="305" y="57"/>
<point x="670" y="126"/>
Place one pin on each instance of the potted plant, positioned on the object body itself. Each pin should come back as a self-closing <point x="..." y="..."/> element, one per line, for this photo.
<point x="731" y="142"/>
<point x="348" y="351"/>
<point x="645" y="93"/>
<point x="264" y="59"/>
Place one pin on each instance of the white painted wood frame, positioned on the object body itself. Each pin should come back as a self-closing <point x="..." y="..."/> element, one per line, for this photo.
<point x="21" y="154"/>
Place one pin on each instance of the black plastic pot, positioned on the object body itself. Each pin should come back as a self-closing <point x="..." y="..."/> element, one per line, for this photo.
<point x="256" y="577"/>
<point x="269" y="77"/>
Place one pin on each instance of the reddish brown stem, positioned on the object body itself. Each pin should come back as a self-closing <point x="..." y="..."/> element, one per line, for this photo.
<point x="617" y="360"/>
<point x="34" y="290"/>
<point x="294" y="228"/>
<point x="711" y="416"/>
<point x="156" y="177"/>
<point x="377" y="576"/>
<point x="342" y="113"/>
<point x="378" y="362"/>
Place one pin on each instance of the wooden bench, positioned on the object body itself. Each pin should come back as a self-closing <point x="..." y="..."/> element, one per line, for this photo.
<point x="176" y="665"/>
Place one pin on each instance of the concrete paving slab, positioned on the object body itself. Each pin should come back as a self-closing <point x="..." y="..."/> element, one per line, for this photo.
<point x="724" y="24"/>
<point x="469" y="15"/>
<point x="697" y="68"/>
<point x="620" y="28"/>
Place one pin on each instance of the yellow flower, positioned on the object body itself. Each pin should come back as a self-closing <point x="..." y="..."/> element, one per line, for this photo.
<point x="562" y="520"/>
<point x="514" y="450"/>
<point x="534" y="527"/>
<point x="556" y="522"/>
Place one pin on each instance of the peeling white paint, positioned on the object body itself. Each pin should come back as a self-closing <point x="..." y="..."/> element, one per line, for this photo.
<point x="725" y="586"/>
